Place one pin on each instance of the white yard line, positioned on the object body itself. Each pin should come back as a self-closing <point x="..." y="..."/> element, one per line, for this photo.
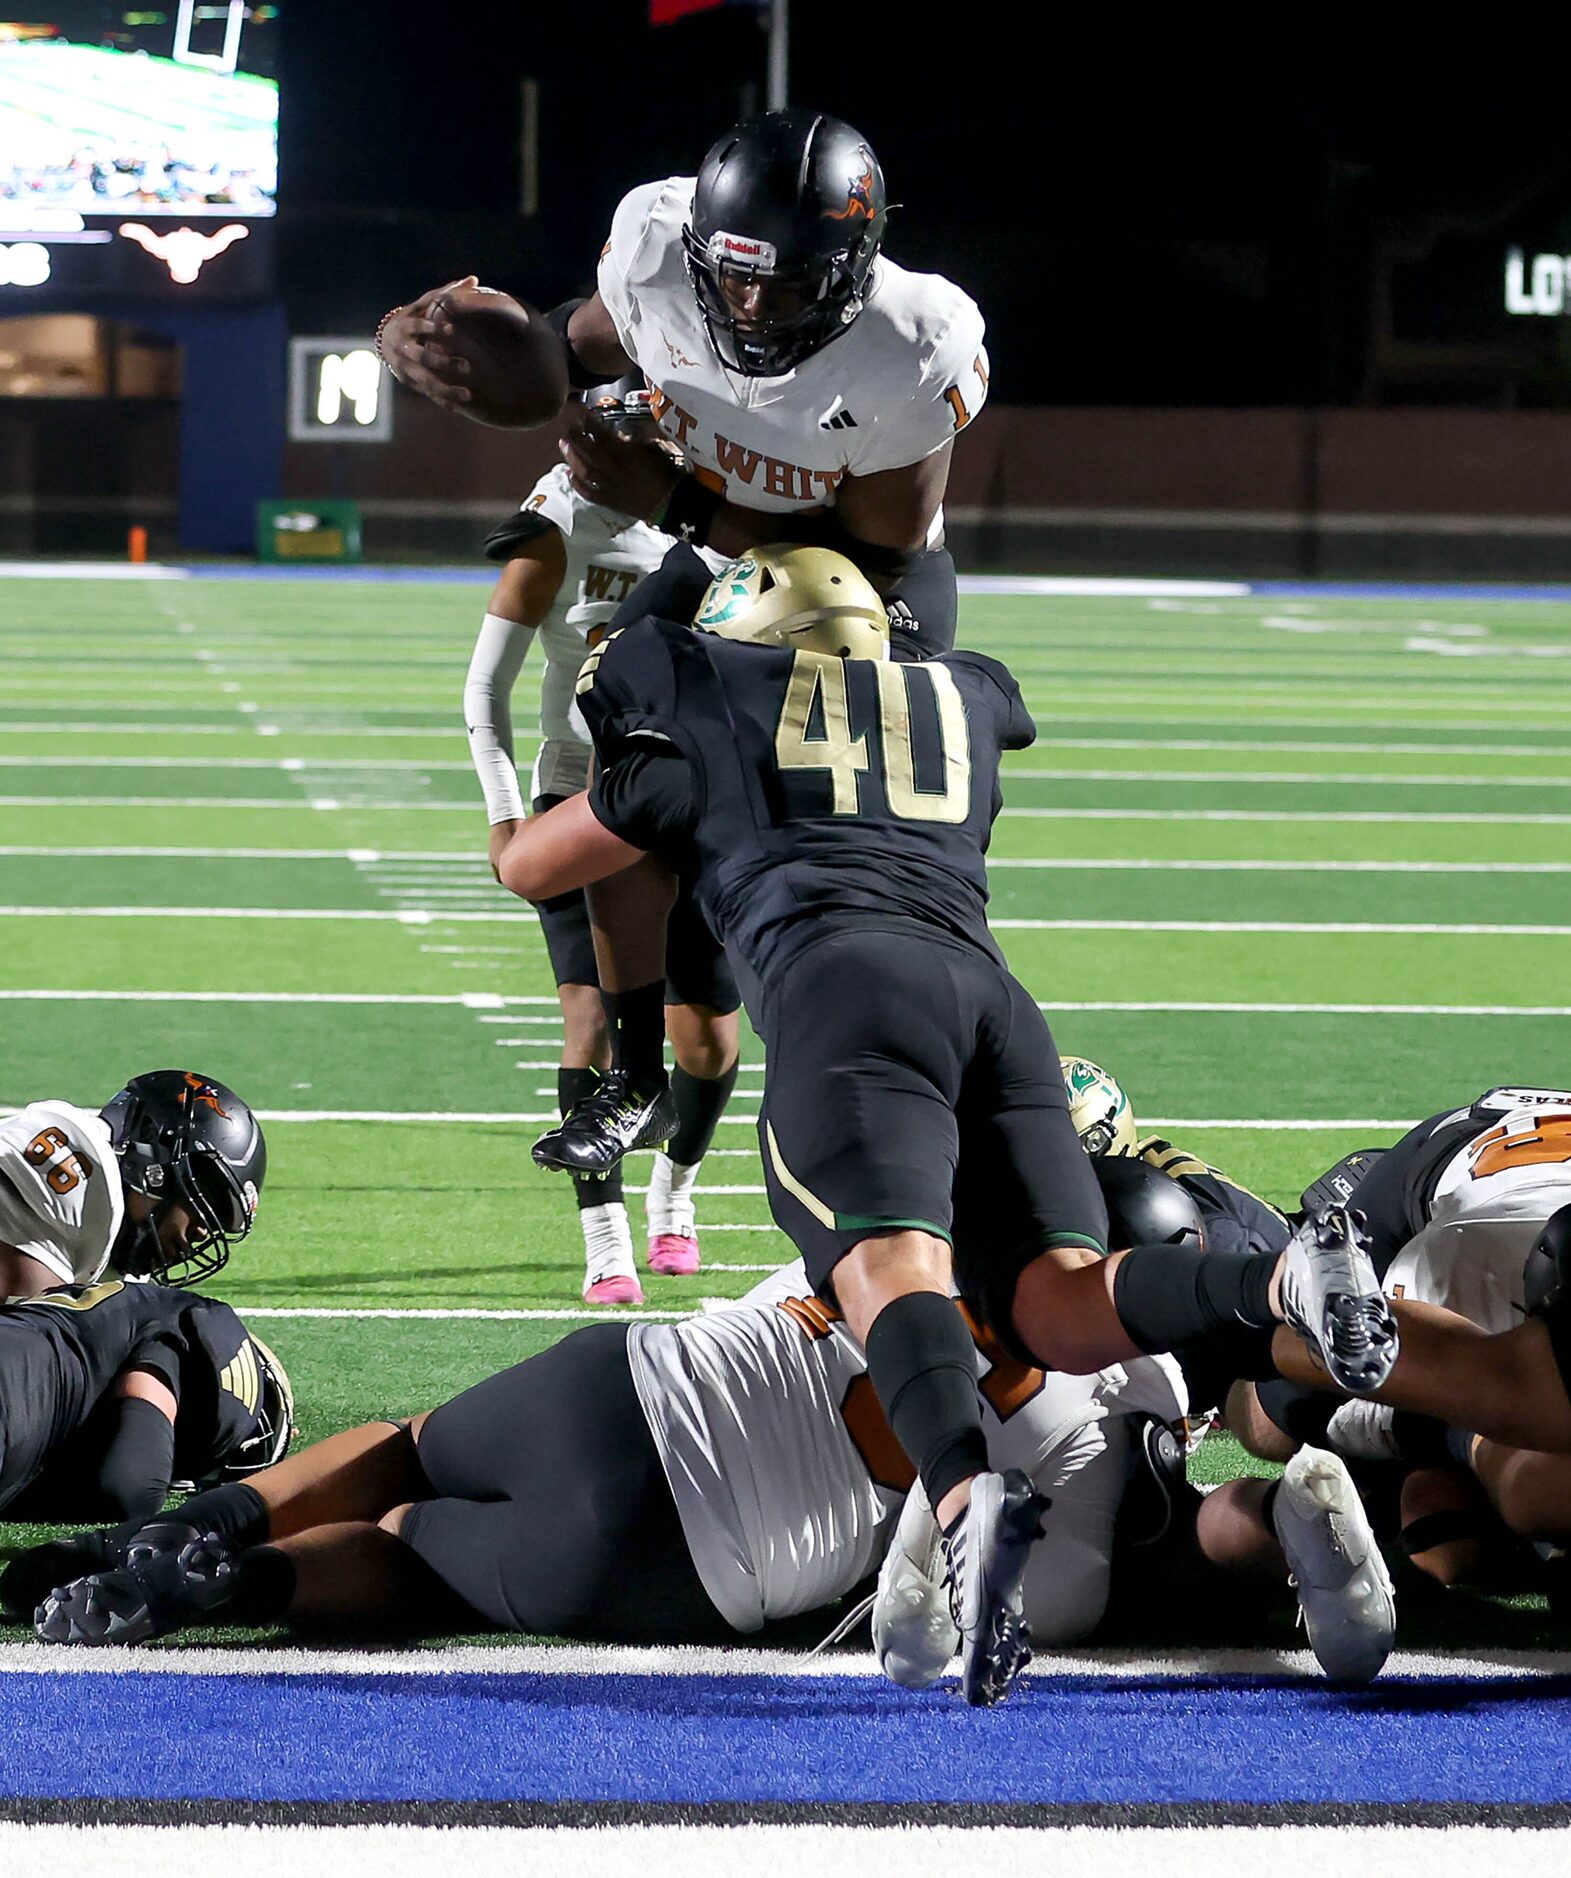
<point x="489" y="1001"/>
<point x="513" y="1118"/>
<point x="397" y="1314"/>
<point x="1346" y="778"/>
<point x="1380" y="817"/>
<point x="1070" y="865"/>
<point x="416" y="916"/>
<point x="1297" y="746"/>
<point x="287" y="764"/>
<point x="362" y="857"/>
<point x="326" y="804"/>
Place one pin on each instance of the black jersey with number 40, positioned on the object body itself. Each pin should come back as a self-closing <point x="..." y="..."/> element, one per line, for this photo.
<point x="817" y="792"/>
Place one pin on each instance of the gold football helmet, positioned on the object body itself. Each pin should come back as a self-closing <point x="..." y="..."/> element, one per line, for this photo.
<point x="807" y="599"/>
<point x="1098" y="1108"/>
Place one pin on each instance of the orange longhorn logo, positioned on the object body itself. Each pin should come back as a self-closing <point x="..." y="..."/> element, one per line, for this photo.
<point x="185" y="252"/>
<point x="203" y="1092"/>
<point x="859" y="201"/>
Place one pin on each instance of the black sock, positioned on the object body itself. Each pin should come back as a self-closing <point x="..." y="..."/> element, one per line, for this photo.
<point x="636" y="1020"/>
<point x="922" y="1363"/>
<point x="572" y="1085"/>
<point x="1268" y="1503"/>
<point x="700" y="1103"/>
<point x="1170" y="1296"/>
<point x="264" y="1586"/>
<point x="236" y="1512"/>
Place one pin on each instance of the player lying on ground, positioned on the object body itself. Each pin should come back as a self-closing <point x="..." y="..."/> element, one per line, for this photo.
<point x="110" y="1392"/>
<point x="676" y="1484"/>
<point x="814" y="390"/>
<point x="568" y="563"/>
<point x="636" y="1483"/>
<point x="1454" y="1213"/>
<point x="834" y="811"/>
<point x="160" y="1184"/>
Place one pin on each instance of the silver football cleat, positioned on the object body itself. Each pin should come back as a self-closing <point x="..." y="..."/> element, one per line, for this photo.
<point x="1332" y="1298"/>
<point x="914" y="1631"/>
<point x="1343" y="1586"/>
<point x="987" y="1562"/>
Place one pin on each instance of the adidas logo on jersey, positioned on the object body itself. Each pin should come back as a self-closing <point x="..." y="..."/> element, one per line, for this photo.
<point x="842" y="420"/>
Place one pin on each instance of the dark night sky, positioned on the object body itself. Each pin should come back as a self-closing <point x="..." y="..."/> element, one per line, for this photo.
<point x="1142" y="221"/>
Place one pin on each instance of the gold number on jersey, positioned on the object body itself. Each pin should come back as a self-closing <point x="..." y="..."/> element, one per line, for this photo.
<point x="815" y="678"/>
<point x="844" y="756"/>
<point x="952" y="803"/>
<point x="83" y="1300"/>
<point x="69" y="1172"/>
<point x="586" y="672"/>
<point x="1548" y="1140"/>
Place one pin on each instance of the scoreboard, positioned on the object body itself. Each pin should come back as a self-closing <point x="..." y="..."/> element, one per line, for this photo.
<point x="138" y="153"/>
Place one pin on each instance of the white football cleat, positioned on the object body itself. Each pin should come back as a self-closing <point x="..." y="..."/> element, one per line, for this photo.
<point x="1332" y="1298"/>
<point x="914" y="1630"/>
<point x="1344" y="1590"/>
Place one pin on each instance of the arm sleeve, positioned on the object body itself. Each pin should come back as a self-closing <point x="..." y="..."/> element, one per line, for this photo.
<point x="488" y="713"/>
<point x="117" y="1466"/>
<point x="646" y="799"/>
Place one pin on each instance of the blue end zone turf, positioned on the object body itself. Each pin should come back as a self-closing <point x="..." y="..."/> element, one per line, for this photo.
<point x="669" y="1740"/>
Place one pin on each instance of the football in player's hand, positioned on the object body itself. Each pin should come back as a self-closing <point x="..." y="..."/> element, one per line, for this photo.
<point x="517" y="366"/>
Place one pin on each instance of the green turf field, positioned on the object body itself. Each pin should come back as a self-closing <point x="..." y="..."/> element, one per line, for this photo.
<point x="1298" y="872"/>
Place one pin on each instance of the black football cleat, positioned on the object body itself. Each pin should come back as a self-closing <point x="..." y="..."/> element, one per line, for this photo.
<point x="618" y="1117"/>
<point x="154" y="1592"/>
<point x="1332" y="1297"/>
<point x="987" y="1553"/>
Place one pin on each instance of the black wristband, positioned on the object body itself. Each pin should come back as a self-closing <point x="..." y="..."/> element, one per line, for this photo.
<point x="688" y="512"/>
<point x="579" y="376"/>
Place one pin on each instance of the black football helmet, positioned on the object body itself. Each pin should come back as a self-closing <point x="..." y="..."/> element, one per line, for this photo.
<point x="182" y="1139"/>
<point x="1548" y="1263"/>
<point x="237" y="1407"/>
<point x="791" y="206"/>
<point x="1145" y="1207"/>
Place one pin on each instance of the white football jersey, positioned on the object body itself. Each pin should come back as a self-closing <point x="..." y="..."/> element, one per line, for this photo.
<point x="607" y="555"/>
<point x="61" y="1198"/>
<point x="909" y="372"/>
<point x="1489" y="1203"/>
<point x="786" y="1475"/>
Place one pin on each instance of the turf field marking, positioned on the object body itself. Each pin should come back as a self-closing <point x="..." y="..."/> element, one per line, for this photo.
<point x="506" y="1658"/>
<point x="1345" y="778"/>
<point x="1263" y="925"/>
<point x="324" y="803"/>
<point x="1380" y="816"/>
<point x="512" y="1118"/>
<point x="361" y="856"/>
<point x="1326" y="1010"/>
<point x="1297" y="746"/>
<point x="288" y="765"/>
<point x="434" y="1314"/>
<point x="1291" y="867"/>
<point x="416" y="916"/>
<point x="485" y="1003"/>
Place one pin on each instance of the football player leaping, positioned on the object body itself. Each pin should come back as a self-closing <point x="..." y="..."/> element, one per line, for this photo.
<point x="568" y="563"/>
<point x="814" y="389"/>
<point x="161" y="1184"/>
<point x="834" y="810"/>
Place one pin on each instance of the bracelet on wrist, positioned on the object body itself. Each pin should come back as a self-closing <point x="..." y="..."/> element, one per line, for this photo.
<point x="381" y="327"/>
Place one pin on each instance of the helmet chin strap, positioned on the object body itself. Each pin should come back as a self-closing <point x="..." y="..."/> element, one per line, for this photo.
<point x="136" y="1250"/>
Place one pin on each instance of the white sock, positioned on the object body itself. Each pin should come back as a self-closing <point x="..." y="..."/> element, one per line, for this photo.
<point x="608" y="1242"/>
<point x="668" y="1206"/>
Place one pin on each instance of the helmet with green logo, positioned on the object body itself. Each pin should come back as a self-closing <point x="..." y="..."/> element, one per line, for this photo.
<point x="807" y="599"/>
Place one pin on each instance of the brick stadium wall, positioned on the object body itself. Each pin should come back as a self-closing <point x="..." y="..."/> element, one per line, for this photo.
<point x="1403" y="492"/>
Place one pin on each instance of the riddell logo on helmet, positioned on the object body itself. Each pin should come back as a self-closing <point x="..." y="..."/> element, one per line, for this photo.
<point x="859" y="201"/>
<point x="204" y="1092"/>
<point x="742" y="250"/>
